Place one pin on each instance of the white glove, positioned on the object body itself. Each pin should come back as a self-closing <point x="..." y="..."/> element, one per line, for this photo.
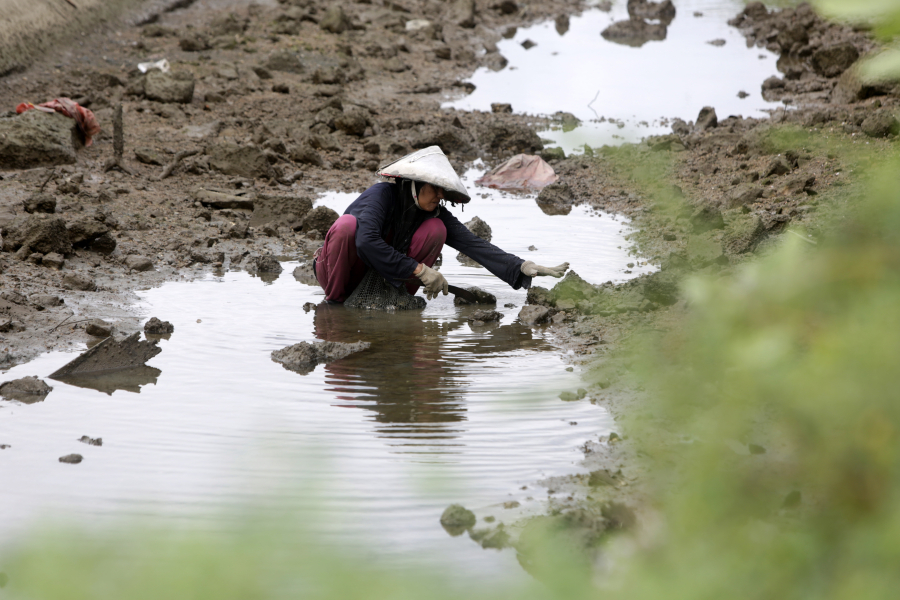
<point x="433" y="282"/>
<point x="533" y="270"/>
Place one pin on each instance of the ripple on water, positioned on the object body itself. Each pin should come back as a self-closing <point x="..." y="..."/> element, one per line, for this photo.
<point x="435" y="412"/>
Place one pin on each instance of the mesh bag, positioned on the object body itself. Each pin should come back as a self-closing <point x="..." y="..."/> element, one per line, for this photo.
<point x="374" y="293"/>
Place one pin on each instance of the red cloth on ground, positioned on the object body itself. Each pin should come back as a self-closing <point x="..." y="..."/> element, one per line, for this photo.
<point x="84" y="118"/>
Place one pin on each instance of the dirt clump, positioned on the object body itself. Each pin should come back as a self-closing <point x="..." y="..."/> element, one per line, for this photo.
<point x="157" y="327"/>
<point x="303" y="357"/>
<point x="26" y="390"/>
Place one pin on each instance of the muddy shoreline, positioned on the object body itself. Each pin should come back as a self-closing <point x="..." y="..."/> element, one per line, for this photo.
<point x="289" y="99"/>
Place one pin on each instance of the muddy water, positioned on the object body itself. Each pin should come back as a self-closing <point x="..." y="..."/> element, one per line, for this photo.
<point x="622" y="93"/>
<point x="374" y="446"/>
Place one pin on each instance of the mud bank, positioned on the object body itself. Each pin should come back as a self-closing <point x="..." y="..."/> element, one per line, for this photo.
<point x="268" y="105"/>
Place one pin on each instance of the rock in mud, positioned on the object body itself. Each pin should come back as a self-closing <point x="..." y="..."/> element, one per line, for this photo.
<point x="169" y="87"/>
<point x="80" y="282"/>
<point x="264" y="264"/>
<point x="35" y="138"/>
<point x="479" y="228"/>
<point x="41" y="203"/>
<point x="40" y="232"/>
<point x="742" y="233"/>
<point x="744" y="195"/>
<point x="228" y="24"/>
<point x="881" y="124"/>
<point x="556" y="199"/>
<point x="352" y="122"/>
<point x="104" y="244"/>
<point x="284" y="60"/>
<point x="85" y="439"/>
<point x="148" y="156"/>
<point x="156" y="327"/>
<point x="305" y="154"/>
<point x="288" y="211"/>
<point x="305" y="275"/>
<point x="451" y="139"/>
<point x="240" y="160"/>
<point x="84" y="229"/>
<point x="194" y="41"/>
<point x="799" y="184"/>
<point x="509" y="137"/>
<point x="706" y="218"/>
<point x="98" y="328"/>
<point x="462" y="13"/>
<point x="634" y="32"/>
<point x="456" y="519"/>
<point x="655" y="11"/>
<point x="707" y="118"/>
<point x="703" y="250"/>
<point x="539" y="296"/>
<point x="53" y="260"/>
<point x="833" y="60"/>
<point x="851" y="87"/>
<point x="138" y="263"/>
<point x="71" y="459"/>
<point x="320" y="219"/>
<point x="26" y="390"/>
<point x="661" y="287"/>
<point x="485" y="316"/>
<point x="534" y="315"/>
<point x="777" y="166"/>
<point x="483" y="297"/>
<point x="303" y="357"/>
<point x="46" y="300"/>
<point x="335" y="20"/>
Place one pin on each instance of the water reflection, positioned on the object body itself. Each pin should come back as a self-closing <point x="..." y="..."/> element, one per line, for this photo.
<point x="415" y="376"/>
<point x="129" y="380"/>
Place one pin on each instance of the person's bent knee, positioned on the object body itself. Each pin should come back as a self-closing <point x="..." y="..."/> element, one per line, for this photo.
<point x="343" y="228"/>
<point x="435" y="231"/>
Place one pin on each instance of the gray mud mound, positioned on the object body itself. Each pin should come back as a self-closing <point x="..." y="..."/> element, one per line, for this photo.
<point x="483" y="297"/>
<point x="110" y="355"/>
<point x="26" y="390"/>
<point x="36" y="138"/>
<point x="374" y="293"/>
<point x="304" y="357"/>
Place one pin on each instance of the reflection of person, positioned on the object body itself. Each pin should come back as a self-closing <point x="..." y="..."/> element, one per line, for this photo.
<point x="413" y="378"/>
<point x="399" y="227"/>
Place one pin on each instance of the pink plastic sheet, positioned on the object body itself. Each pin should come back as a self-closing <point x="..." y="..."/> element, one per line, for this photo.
<point x="521" y="172"/>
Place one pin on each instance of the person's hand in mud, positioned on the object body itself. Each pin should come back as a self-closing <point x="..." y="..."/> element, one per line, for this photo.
<point x="531" y="269"/>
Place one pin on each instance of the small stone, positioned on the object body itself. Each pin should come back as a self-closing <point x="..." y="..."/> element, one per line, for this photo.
<point x="486" y="316"/>
<point x="528" y="44"/>
<point x="138" y="263"/>
<point x="456" y="518"/>
<point x="46" y="300"/>
<point x="27" y="390"/>
<point x="511" y="504"/>
<point x="41" y="203"/>
<point x="156" y="327"/>
<point x="91" y="441"/>
<point x="534" y="315"/>
<point x="778" y="166"/>
<point x="568" y="396"/>
<point x="98" y="328"/>
<point x="707" y="118"/>
<point x="54" y="260"/>
<point x="72" y="459"/>
<point x="281" y="88"/>
<point x="78" y="281"/>
<point x="148" y="156"/>
<point x="501" y="107"/>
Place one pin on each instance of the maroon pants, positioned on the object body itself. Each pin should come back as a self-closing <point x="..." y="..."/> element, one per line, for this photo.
<point x="339" y="270"/>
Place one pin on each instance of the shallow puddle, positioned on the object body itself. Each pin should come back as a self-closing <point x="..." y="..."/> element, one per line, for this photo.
<point x="622" y="93"/>
<point x="435" y="412"/>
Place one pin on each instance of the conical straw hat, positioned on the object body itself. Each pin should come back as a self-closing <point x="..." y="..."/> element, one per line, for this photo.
<point x="429" y="165"/>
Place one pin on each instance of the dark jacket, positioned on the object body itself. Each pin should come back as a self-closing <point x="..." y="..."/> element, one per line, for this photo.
<point x="372" y="210"/>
